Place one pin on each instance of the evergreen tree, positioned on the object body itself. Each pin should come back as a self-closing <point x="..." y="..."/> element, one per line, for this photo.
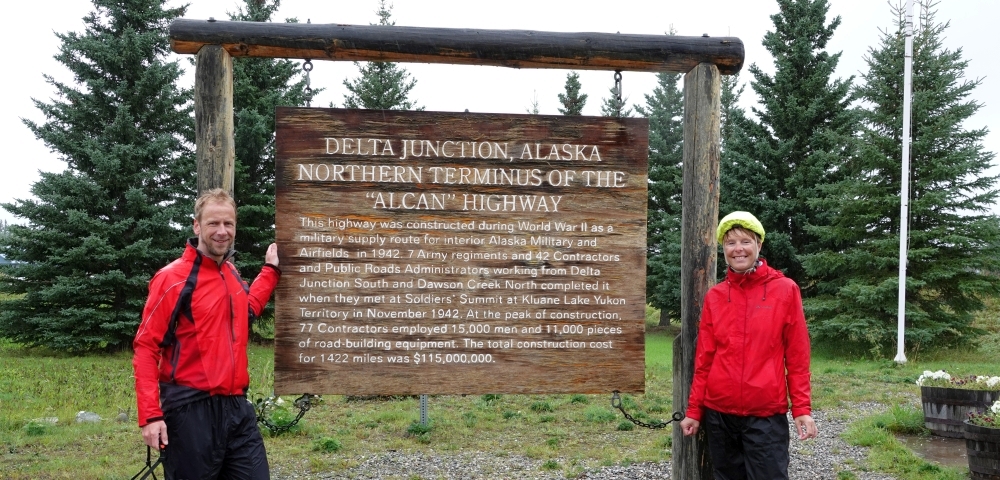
<point x="533" y="109"/>
<point x="665" y="111"/>
<point x="954" y="243"/>
<point x="804" y="131"/>
<point x="259" y="85"/>
<point x="734" y="125"/>
<point x="3" y="241"/>
<point x="572" y="101"/>
<point x="733" y="119"/>
<point x="613" y="107"/>
<point x="100" y="229"/>
<point x="382" y="85"/>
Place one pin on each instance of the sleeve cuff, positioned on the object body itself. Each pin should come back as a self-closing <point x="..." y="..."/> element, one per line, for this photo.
<point x="275" y="267"/>
<point x="150" y="420"/>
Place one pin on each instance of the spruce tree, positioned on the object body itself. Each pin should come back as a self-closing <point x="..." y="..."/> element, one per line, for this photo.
<point x="382" y="85"/>
<point x="259" y="85"/>
<point x="804" y="130"/>
<point x="735" y="142"/>
<point x="99" y="230"/>
<point x="533" y="109"/>
<point x="572" y="101"/>
<point x="953" y="242"/>
<point x="665" y="110"/>
<point x="733" y="119"/>
<point x="612" y="106"/>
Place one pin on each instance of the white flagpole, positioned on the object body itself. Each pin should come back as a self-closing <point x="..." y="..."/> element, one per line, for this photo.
<point x="904" y="195"/>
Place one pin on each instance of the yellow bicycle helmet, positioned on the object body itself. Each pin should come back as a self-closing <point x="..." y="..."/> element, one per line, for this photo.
<point x="743" y="219"/>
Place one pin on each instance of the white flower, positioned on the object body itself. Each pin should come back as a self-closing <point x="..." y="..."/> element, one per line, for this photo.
<point x="993" y="382"/>
<point x="996" y="407"/>
<point x="929" y="375"/>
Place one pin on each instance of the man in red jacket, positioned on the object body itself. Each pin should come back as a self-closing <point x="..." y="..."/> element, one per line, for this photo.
<point x="191" y="353"/>
<point x="752" y="357"/>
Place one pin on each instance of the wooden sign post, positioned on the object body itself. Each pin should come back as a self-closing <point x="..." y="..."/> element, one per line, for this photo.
<point x="459" y="253"/>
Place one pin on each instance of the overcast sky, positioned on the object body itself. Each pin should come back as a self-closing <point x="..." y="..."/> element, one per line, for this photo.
<point x="31" y="45"/>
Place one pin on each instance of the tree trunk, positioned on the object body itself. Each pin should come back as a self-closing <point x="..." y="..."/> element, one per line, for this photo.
<point x="664" y="319"/>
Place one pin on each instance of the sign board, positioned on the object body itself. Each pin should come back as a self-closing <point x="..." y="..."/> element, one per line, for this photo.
<point x="459" y="253"/>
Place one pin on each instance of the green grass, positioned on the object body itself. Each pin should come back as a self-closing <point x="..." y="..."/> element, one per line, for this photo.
<point x="333" y="435"/>
<point x="888" y="455"/>
<point x="568" y="433"/>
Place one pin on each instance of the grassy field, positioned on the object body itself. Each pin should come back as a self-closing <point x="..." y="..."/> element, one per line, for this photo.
<point x="570" y="433"/>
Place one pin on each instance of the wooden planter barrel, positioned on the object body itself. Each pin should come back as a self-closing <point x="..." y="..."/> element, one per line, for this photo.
<point x="983" y="448"/>
<point x="947" y="409"/>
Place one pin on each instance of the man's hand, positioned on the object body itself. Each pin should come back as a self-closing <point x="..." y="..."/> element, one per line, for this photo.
<point x="689" y="426"/>
<point x="271" y="256"/>
<point x="155" y="434"/>
<point x="805" y="427"/>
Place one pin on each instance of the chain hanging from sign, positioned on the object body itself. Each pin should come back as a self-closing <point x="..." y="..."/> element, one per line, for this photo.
<point x="307" y="67"/>
<point x="617" y="89"/>
<point x="263" y="405"/>
<point x="616" y="402"/>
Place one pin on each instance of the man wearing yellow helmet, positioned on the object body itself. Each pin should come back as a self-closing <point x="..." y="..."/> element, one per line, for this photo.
<point x="752" y="357"/>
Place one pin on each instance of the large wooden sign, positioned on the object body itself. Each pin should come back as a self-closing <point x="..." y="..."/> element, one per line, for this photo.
<point x="437" y="253"/>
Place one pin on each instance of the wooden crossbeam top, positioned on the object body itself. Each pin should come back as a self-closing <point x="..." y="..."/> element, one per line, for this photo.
<point x="507" y="48"/>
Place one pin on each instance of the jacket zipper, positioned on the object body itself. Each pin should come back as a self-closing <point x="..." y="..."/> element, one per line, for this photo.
<point x="232" y="331"/>
<point x="232" y="338"/>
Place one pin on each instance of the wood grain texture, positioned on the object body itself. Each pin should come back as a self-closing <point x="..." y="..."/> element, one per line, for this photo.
<point x="213" y="114"/>
<point x="700" y="197"/>
<point x="507" y="48"/>
<point x="396" y="228"/>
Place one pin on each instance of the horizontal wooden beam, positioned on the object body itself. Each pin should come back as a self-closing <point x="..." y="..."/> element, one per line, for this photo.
<point x="507" y="48"/>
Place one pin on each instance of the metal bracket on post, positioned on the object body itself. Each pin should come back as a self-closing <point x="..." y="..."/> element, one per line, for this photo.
<point x="423" y="410"/>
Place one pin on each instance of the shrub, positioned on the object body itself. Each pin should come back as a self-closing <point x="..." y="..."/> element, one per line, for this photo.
<point x="599" y="415"/>
<point x="542" y="407"/>
<point x="327" y="444"/>
<point x="551" y="465"/>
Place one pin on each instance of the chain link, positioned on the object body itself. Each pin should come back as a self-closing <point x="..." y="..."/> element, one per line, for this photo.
<point x="616" y="402"/>
<point x="303" y="403"/>
<point x="618" y="86"/>
<point x="307" y="66"/>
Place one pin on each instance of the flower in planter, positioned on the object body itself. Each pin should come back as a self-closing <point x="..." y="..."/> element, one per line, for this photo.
<point x="989" y="419"/>
<point x="942" y="378"/>
<point x="991" y="382"/>
<point x="939" y="378"/>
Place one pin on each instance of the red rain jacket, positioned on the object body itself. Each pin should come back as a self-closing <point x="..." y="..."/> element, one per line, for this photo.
<point x="753" y="348"/>
<point x="206" y="353"/>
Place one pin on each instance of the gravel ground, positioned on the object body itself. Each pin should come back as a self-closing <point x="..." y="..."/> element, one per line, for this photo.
<point x="814" y="459"/>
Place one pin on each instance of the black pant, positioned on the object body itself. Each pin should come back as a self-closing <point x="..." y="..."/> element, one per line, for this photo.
<point x="747" y="448"/>
<point x="215" y="437"/>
